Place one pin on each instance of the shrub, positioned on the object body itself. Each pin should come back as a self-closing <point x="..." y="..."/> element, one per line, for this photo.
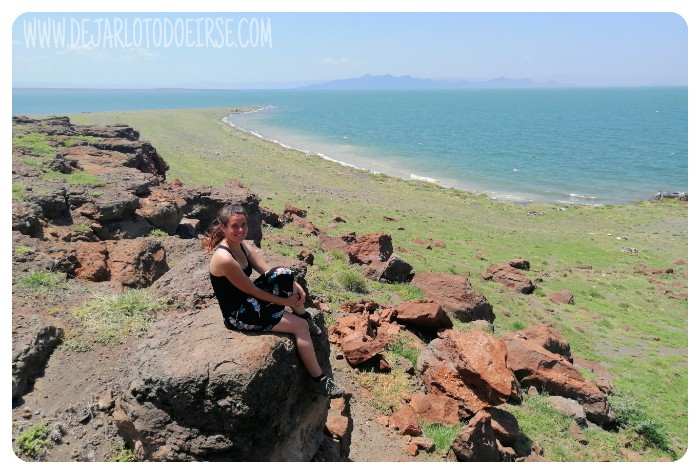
<point x="352" y="281"/>
<point x="631" y="415"/>
<point x="157" y="233"/>
<point x="122" y="453"/>
<point x="32" y="442"/>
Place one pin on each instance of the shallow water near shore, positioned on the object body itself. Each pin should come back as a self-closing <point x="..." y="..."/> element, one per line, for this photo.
<point x="563" y="146"/>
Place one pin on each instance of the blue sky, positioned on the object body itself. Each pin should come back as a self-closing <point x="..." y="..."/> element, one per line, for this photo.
<point x="290" y="49"/>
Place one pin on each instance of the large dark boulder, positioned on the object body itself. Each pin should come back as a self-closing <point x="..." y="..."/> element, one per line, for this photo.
<point x="204" y="393"/>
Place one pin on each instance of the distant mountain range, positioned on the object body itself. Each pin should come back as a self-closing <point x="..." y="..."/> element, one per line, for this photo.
<point x="388" y="81"/>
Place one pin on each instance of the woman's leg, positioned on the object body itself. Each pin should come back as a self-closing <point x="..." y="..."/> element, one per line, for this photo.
<point x="292" y="324"/>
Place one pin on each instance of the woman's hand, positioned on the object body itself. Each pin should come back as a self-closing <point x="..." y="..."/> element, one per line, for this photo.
<point x="294" y="300"/>
<point x="299" y="291"/>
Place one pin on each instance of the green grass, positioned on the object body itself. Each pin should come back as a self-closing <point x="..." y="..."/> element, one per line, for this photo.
<point x="32" y="441"/>
<point x="389" y="390"/>
<point x="441" y="435"/>
<point x="43" y="281"/>
<point x="22" y="250"/>
<point x="108" y="319"/>
<point x="617" y="310"/>
<point x="19" y="193"/>
<point x="77" y="178"/>
<point x="34" y="144"/>
<point x="405" y="347"/>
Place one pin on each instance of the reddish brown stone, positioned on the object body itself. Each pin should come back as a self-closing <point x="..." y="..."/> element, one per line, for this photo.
<point x="405" y="421"/>
<point x="371" y="248"/>
<point x="469" y="367"/>
<point x="563" y="296"/>
<point x="547" y="336"/>
<point x="422" y="314"/>
<point x="535" y="366"/>
<point x="337" y="426"/>
<point x="92" y="258"/>
<point x="477" y="441"/>
<point x="456" y="295"/>
<point x="433" y="408"/>
<point x="510" y="277"/>
<point x="290" y="210"/>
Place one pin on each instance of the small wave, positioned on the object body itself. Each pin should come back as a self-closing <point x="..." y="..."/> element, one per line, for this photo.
<point x="515" y="170"/>
<point x="582" y="196"/>
<point x="422" y="178"/>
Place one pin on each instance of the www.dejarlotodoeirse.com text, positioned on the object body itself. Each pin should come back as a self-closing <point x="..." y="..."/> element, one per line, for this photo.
<point x="147" y="32"/>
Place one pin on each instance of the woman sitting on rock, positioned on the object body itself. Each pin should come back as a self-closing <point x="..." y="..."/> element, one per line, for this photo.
<point x="260" y="305"/>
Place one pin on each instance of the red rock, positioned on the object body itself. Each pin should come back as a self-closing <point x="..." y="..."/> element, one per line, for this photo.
<point x="433" y="408"/>
<point x="535" y="366"/>
<point x="456" y="295"/>
<point x="411" y="449"/>
<point x="469" y="367"/>
<point x="162" y="209"/>
<point x="92" y="258"/>
<point x="371" y="248"/>
<point x="360" y="306"/>
<point x="308" y="227"/>
<point x="290" y="210"/>
<point x="547" y="336"/>
<point x="405" y="421"/>
<point x="477" y="441"/>
<point x="563" y="296"/>
<point x="136" y="263"/>
<point x="510" y="277"/>
<point x="306" y="256"/>
<point x="505" y="426"/>
<point x="422" y="314"/>
<point x="337" y="426"/>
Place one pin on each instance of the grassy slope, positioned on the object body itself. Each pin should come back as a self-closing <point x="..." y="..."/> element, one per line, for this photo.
<point x="618" y="318"/>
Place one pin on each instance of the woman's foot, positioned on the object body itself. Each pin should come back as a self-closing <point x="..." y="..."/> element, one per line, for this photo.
<point x="327" y="387"/>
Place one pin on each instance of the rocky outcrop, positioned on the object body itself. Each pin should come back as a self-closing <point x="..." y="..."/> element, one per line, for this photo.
<point x="202" y="203"/>
<point x="469" y="367"/>
<point x="34" y="337"/>
<point x="456" y="295"/>
<point x="203" y="393"/>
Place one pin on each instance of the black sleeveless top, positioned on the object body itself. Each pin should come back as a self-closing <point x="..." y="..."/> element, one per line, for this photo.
<point x="229" y="297"/>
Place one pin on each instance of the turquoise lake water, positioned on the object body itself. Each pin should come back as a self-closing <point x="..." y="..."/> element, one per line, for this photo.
<point x="560" y="146"/>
